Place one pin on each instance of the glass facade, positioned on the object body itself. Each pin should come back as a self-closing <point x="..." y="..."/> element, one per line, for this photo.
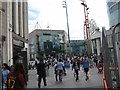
<point x="113" y="13"/>
<point x="47" y="43"/>
<point x="32" y="47"/>
<point x="51" y="42"/>
<point x="78" y="46"/>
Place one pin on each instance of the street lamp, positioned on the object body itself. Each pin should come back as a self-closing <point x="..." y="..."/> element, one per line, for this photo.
<point x="87" y="27"/>
<point x="86" y="18"/>
<point x="65" y="6"/>
<point x="84" y="4"/>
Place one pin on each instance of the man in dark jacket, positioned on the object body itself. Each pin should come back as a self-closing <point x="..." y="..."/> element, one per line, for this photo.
<point x="76" y="67"/>
<point x="41" y="72"/>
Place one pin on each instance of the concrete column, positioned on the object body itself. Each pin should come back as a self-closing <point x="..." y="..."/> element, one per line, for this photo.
<point x="10" y="37"/>
<point x="25" y="20"/>
<point x="9" y="34"/>
<point x="16" y="27"/>
<point x="98" y="46"/>
<point x="92" y="46"/>
<point x="21" y="18"/>
<point x="7" y="13"/>
<point x="0" y="43"/>
<point x="25" y="27"/>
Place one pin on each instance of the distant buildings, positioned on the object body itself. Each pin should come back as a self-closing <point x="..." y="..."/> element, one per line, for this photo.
<point x="96" y="42"/>
<point x="43" y="42"/>
<point x="78" y="47"/>
<point x="114" y="19"/>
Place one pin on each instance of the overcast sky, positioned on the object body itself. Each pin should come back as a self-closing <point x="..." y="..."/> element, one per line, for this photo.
<point x="51" y="13"/>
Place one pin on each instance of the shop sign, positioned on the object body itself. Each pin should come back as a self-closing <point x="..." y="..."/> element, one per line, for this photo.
<point x="18" y="43"/>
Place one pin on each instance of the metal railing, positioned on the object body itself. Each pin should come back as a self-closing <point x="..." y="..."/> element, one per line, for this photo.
<point x="111" y="73"/>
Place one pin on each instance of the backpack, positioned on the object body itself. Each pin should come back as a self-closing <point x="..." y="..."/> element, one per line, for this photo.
<point x="11" y="81"/>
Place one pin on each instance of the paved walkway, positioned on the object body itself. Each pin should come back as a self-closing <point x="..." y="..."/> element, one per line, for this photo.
<point x="95" y="80"/>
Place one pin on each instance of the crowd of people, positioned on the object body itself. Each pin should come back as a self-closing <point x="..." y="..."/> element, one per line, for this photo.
<point x="13" y="77"/>
<point x="59" y="65"/>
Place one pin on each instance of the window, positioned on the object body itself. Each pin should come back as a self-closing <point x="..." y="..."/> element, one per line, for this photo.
<point x="118" y="36"/>
<point x="110" y="39"/>
<point x="109" y="4"/>
<point x="113" y="8"/>
<point x="119" y="5"/>
<point x="47" y="34"/>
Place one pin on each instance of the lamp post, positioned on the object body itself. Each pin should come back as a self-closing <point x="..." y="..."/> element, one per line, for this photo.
<point x="65" y="6"/>
<point x="86" y="19"/>
<point x="87" y="27"/>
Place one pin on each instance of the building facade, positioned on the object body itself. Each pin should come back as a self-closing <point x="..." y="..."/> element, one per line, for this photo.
<point x="113" y="12"/>
<point x="47" y="42"/>
<point x="78" y="47"/>
<point x="15" y="30"/>
<point x="96" y="42"/>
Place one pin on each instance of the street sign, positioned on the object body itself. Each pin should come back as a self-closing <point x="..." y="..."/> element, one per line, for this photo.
<point x="30" y="44"/>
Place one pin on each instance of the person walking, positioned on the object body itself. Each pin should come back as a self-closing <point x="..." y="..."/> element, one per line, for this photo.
<point x="86" y="67"/>
<point x="12" y="68"/>
<point x="36" y="64"/>
<point x="100" y="67"/>
<point x="16" y="80"/>
<point x="96" y="60"/>
<point x="41" y="73"/>
<point x="76" y="67"/>
<point x="33" y="65"/>
<point x="5" y="72"/>
<point x="59" y="69"/>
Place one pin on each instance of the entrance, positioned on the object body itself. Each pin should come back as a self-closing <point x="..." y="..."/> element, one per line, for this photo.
<point x="20" y="56"/>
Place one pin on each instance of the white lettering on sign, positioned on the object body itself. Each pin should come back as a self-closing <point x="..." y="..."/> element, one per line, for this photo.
<point x="18" y="43"/>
